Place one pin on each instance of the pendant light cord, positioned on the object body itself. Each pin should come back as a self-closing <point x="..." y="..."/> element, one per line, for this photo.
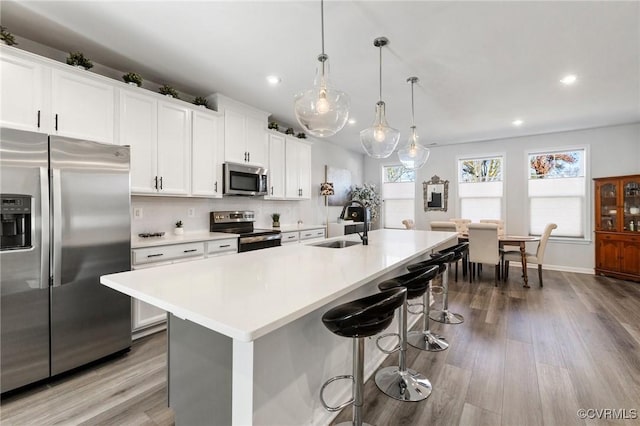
<point x="413" y="118"/>
<point x="380" y="95"/>
<point x="322" y="23"/>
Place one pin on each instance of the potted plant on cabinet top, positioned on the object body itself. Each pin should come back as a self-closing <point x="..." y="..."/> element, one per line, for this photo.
<point x="133" y="78"/>
<point x="275" y="217"/>
<point x="168" y="91"/>
<point x="200" y="101"/>
<point x="178" y="230"/>
<point x="7" y="37"/>
<point x="77" y="59"/>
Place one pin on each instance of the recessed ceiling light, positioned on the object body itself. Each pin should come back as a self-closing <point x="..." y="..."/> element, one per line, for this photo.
<point x="569" y="79"/>
<point x="352" y="121"/>
<point x="517" y="122"/>
<point x="273" y="79"/>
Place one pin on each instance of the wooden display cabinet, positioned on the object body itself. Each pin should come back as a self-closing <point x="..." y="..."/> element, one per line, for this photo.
<point x="617" y="233"/>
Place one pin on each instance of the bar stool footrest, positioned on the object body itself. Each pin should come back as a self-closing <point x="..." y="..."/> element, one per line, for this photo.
<point x="327" y="383"/>
<point x="382" y="336"/>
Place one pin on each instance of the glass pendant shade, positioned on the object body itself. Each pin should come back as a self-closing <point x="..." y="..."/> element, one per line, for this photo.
<point x="413" y="156"/>
<point x="379" y="140"/>
<point x="323" y="110"/>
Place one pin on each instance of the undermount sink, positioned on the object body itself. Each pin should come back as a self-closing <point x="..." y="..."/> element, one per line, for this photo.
<point x="337" y="244"/>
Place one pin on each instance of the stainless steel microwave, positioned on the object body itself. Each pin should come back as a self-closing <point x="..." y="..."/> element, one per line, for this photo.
<point x="240" y="179"/>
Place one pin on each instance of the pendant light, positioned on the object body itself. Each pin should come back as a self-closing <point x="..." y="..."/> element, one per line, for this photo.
<point x="380" y="140"/>
<point x="323" y="110"/>
<point x="413" y="155"/>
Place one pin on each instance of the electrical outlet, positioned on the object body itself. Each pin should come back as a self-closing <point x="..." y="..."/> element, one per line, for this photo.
<point x="191" y="212"/>
<point x="137" y="213"/>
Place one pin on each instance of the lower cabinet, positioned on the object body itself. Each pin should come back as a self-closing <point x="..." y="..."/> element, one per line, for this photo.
<point x="618" y="255"/>
<point x="147" y="319"/>
<point x="304" y="236"/>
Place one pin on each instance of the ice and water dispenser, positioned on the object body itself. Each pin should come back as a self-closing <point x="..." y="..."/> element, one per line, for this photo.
<point x="16" y="217"/>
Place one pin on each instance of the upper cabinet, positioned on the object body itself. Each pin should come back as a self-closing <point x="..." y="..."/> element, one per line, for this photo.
<point x="276" y="166"/>
<point x="56" y="99"/>
<point x="297" y="168"/>
<point x="206" y="166"/>
<point x="245" y="136"/>
<point x="159" y="133"/>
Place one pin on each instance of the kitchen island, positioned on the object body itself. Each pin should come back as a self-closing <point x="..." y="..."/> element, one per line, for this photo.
<point x="246" y="341"/>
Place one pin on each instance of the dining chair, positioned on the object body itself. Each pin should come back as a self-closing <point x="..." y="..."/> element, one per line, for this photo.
<point x="483" y="248"/>
<point x="462" y="225"/>
<point x="409" y="224"/>
<point x="538" y="257"/>
<point x="499" y="222"/>
<point x="443" y="226"/>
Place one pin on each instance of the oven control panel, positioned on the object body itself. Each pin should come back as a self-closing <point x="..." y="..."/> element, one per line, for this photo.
<point x="233" y="216"/>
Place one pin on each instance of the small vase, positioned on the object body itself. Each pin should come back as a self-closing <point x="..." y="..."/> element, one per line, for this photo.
<point x="133" y="83"/>
<point x="276" y="224"/>
<point x="178" y="231"/>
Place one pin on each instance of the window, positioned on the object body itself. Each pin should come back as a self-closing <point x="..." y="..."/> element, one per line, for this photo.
<point x="398" y="194"/>
<point x="480" y="187"/>
<point x="557" y="192"/>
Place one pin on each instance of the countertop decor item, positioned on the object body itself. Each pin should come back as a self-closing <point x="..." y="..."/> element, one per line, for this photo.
<point x="78" y="59"/>
<point x="273" y="125"/>
<point x="178" y="230"/>
<point x="275" y="217"/>
<point x="380" y="140"/>
<point x="7" y="37"/>
<point x="322" y="110"/>
<point x="168" y="91"/>
<point x="301" y="135"/>
<point x="289" y="131"/>
<point x="414" y="155"/>
<point x="200" y="101"/>
<point x="132" y="78"/>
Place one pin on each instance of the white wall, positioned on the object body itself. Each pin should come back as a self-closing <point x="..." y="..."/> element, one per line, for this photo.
<point x="613" y="151"/>
<point x="161" y="213"/>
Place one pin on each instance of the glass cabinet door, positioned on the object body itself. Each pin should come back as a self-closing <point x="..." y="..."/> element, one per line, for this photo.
<point x="608" y="207"/>
<point x="631" y="204"/>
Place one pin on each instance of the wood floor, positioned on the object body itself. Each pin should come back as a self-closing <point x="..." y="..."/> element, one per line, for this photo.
<point x="522" y="357"/>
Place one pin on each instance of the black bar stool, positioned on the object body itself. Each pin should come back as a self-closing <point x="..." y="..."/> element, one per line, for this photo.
<point x="461" y="251"/>
<point x="441" y="315"/>
<point x="399" y="382"/>
<point x="424" y="339"/>
<point x="358" y="319"/>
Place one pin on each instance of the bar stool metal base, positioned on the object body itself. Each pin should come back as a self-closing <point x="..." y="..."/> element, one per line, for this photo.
<point x="403" y="385"/>
<point x="427" y="341"/>
<point x="351" y="424"/>
<point x="446" y="317"/>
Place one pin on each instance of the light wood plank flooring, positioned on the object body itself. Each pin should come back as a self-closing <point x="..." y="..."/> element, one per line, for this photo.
<point x="522" y="357"/>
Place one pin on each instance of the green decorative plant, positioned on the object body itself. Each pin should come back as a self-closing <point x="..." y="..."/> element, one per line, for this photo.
<point x="77" y="59"/>
<point x="275" y="217"/>
<point x="179" y="224"/>
<point x="301" y="135"/>
<point x="369" y="196"/>
<point x="168" y="90"/>
<point x="132" y="77"/>
<point x="289" y="131"/>
<point x="201" y="101"/>
<point x="7" y="37"/>
<point x="273" y="125"/>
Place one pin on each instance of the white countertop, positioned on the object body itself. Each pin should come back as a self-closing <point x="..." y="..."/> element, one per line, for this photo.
<point x="170" y="238"/>
<point x="301" y="227"/>
<point x="248" y="295"/>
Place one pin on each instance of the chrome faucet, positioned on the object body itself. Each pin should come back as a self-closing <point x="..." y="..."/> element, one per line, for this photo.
<point x="365" y="236"/>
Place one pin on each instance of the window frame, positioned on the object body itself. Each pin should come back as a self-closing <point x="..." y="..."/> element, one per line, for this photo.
<point x="383" y="199"/>
<point x="504" y="198"/>
<point x="587" y="213"/>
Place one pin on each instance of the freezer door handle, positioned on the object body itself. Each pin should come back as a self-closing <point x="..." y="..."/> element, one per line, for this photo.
<point x="44" y="230"/>
<point x="57" y="227"/>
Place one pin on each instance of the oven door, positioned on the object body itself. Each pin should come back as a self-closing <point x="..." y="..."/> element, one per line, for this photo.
<point x="258" y="242"/>
<point x="239" y="179"/>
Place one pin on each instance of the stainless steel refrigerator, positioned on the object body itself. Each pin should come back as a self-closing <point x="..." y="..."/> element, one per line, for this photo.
<point x="65" y="222"/>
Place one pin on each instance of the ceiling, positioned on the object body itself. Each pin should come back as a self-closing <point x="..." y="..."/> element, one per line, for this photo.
<point x="481" y="64"/>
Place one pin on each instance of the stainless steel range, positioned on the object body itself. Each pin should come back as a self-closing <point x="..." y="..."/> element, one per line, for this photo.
<point x="241" y="222"/>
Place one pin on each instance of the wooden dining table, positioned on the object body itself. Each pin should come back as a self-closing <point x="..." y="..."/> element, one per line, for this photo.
<point x="513" y="240"/>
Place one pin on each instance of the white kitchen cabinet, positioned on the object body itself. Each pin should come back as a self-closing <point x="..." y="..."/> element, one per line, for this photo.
<point x="206" y="167"/>
<point x="276" y="166"/>
<point x="82" y="106"/>
<point x="45" y="96"/>
<point x="303" y="236"/>
<point x="289" y="237"/>
<point x="159" y="134"/>
<point x="22" y="85"/>
<point x="245" y="135"/>
<point x="222" y="247"/>
<point x="297" y="169"/>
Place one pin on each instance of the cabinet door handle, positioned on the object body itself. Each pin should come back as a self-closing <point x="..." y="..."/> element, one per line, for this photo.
<point x="215" y="186"/>
<point x="161" y="182"/>
<point x="56" y="121"/>
<point x="224" y="246"/>
<point x="155" y="255"/>
<point x="291" y="236"/>
<point x="272" y="190"/>
<point x="38" y="119"/>
<point x="308" y="235"/>
<point x="249" y="156"/>
<point x="245" y="156"/>
<point x="156" y="182"/>
<point x="189" y="251"/>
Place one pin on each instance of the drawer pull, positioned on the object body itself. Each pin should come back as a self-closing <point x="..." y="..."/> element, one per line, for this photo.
<point x="224" y="246"/>
<point x="291" y="236"/>
<point x="155" y="255"/>
<point x="189" y="251"/>
<point x="308" y="235"/>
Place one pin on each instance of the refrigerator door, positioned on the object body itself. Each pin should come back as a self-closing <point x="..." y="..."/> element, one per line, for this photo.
<point x="24" y="271"/>
<point x="90" y="207"/>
